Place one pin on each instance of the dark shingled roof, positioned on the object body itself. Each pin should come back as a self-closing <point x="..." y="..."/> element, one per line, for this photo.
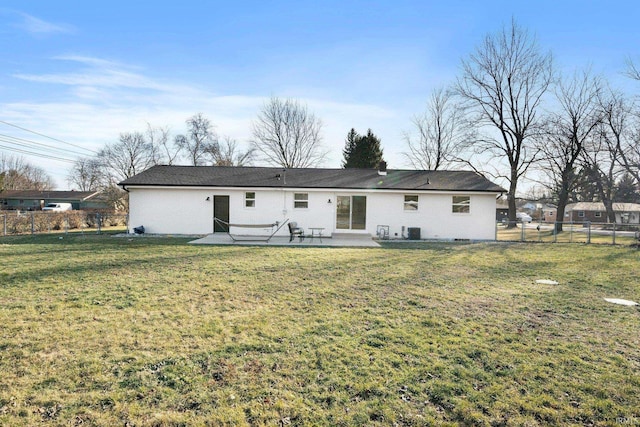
<point x="36" y="194"/>
<point x="226" y="176"/>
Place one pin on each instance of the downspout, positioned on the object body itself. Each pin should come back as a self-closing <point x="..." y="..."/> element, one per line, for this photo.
<point x="284" y="194"/>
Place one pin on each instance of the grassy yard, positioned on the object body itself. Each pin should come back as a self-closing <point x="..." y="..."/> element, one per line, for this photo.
<point x="110" y="331"/>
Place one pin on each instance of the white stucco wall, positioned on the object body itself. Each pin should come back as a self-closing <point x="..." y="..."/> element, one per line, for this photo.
<point x="186" y="211"/>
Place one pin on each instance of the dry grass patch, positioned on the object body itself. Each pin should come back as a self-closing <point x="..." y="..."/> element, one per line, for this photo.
<point x="153" y="332"/>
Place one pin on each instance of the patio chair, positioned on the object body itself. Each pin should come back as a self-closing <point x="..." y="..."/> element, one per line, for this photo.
<point x="294" y="231"/>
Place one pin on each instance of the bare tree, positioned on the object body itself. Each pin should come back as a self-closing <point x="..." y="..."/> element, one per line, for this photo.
<point x="566" y="133"/>
<point x="87" y="174"/>
<point x="164" y="153"/>
<point x="199" y="141"/>
<point x="632" y="70"/>
<point x="607" y="157"/>
<point x="18" y="174"/>
<point x="630" y="149"/>
<point x="286" y="134"/>
<point x="442" y="130"/>
<point x="131" y="155"/>
<point x="602" y="170"/>
<point x="504" y="81"/>
<point x="229" y="154"/>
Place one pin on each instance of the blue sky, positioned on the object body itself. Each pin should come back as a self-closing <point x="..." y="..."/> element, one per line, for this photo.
<point x="83" y="72"/>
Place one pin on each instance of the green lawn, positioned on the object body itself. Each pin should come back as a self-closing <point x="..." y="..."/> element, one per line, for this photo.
<point x="107" y="331"/>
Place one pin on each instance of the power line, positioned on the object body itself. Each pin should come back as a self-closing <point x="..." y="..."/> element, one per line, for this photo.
<point x="49" y="137"/>
<point x="31" y="153"/>
<point x="29" y="144"/>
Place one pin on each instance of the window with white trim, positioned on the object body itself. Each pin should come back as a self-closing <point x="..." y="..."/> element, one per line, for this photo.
<point x="597" y="214"/>
<point x="300" y="200"/>
<point x="250" y="199"/>
<point x="461" y="204"/>
<point x="411" y="202"/>
<point x="580" y="214"/>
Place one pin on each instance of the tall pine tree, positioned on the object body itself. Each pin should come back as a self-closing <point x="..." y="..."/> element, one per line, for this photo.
<point x="361" y="151"/>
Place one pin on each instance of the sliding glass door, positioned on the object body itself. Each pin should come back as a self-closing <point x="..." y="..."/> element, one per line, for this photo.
<point x="351" y="212"/>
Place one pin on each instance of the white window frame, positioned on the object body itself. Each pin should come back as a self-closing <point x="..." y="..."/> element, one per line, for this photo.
<point x="250" y="202"/>
<point x="301" y="200"/>
<point x="580" y="214"/>
<point x="463" y="203"/>
<point x="597" y="214"/>
<point x="411" y="205"/>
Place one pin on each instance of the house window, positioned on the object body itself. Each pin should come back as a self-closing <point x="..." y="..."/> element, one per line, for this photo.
<point x="301" y="200"/>
<point x="411" y="202"/>
<point x="250" y="199"/>
<point x="597" y="214"/>
<point x="580" y="214"/>
<point x="461" y="204"/>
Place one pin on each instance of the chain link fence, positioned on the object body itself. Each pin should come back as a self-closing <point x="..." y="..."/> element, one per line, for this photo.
<point x="13" y="223"/>
<point x="569" y="232"/>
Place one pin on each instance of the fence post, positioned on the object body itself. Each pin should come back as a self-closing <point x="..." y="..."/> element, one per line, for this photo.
<point x="4" y="217"/>
<point x="98" y="220"/>
<point x="571" y="232"/>
<point x="33" y="223"/>
<point x="539" y="231"/>
<point x="555" y="232"/>
<point x="521" y="231"/>
<point x="588" y="232"/>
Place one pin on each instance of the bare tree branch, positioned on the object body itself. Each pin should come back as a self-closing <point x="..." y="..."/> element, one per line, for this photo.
<point x="229" y="154"/>
<point x="164" y="153"/>
<point x="87" y="174"/>
<point x="504" y="82"/>
<point x="131" y="155"/>
<point x="200" y="139"/>
<point x="286" y="134"/>
<point x="17" y="174"/>
<point x="442" y="131"/>
<point x="567" y="132"/>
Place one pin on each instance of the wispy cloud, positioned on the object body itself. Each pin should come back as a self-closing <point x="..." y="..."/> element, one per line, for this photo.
<point x="37" y="26"/>
<point x="98" y="98"/>
<point x="102" y="73"/>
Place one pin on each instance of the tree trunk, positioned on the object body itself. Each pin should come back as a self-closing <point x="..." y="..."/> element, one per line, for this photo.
<point x="511" y="201"/>
<point x="563" y="198"/>
<point x="562" y="204"/>
<point x="608" y="205"/>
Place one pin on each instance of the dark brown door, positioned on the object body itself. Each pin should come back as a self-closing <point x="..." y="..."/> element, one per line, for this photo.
<point x="220" y="211"/>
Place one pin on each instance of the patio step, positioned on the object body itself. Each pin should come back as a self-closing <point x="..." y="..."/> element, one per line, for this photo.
<point x="351" y="236"/>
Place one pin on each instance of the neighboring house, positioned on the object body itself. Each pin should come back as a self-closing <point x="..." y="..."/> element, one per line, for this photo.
<point x="529" y="207"/>
<point x="549" y="213"/>
<point x="540" y="211"/>
<point x="626" y="213"/>
<point x="439" y="204"/>
<point x="32" y="200"/>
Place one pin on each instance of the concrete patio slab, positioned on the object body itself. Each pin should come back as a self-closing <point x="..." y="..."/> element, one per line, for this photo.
<point x="328" y="241"/>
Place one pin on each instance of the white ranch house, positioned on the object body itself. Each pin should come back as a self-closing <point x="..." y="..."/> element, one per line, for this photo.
<point x="441" y="204"/>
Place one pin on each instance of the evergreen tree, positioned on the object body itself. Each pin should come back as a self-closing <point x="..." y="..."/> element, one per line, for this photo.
<point x="627" y="190"/>
<point x="349" y="147"/>
<point x="362" y="151"/>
